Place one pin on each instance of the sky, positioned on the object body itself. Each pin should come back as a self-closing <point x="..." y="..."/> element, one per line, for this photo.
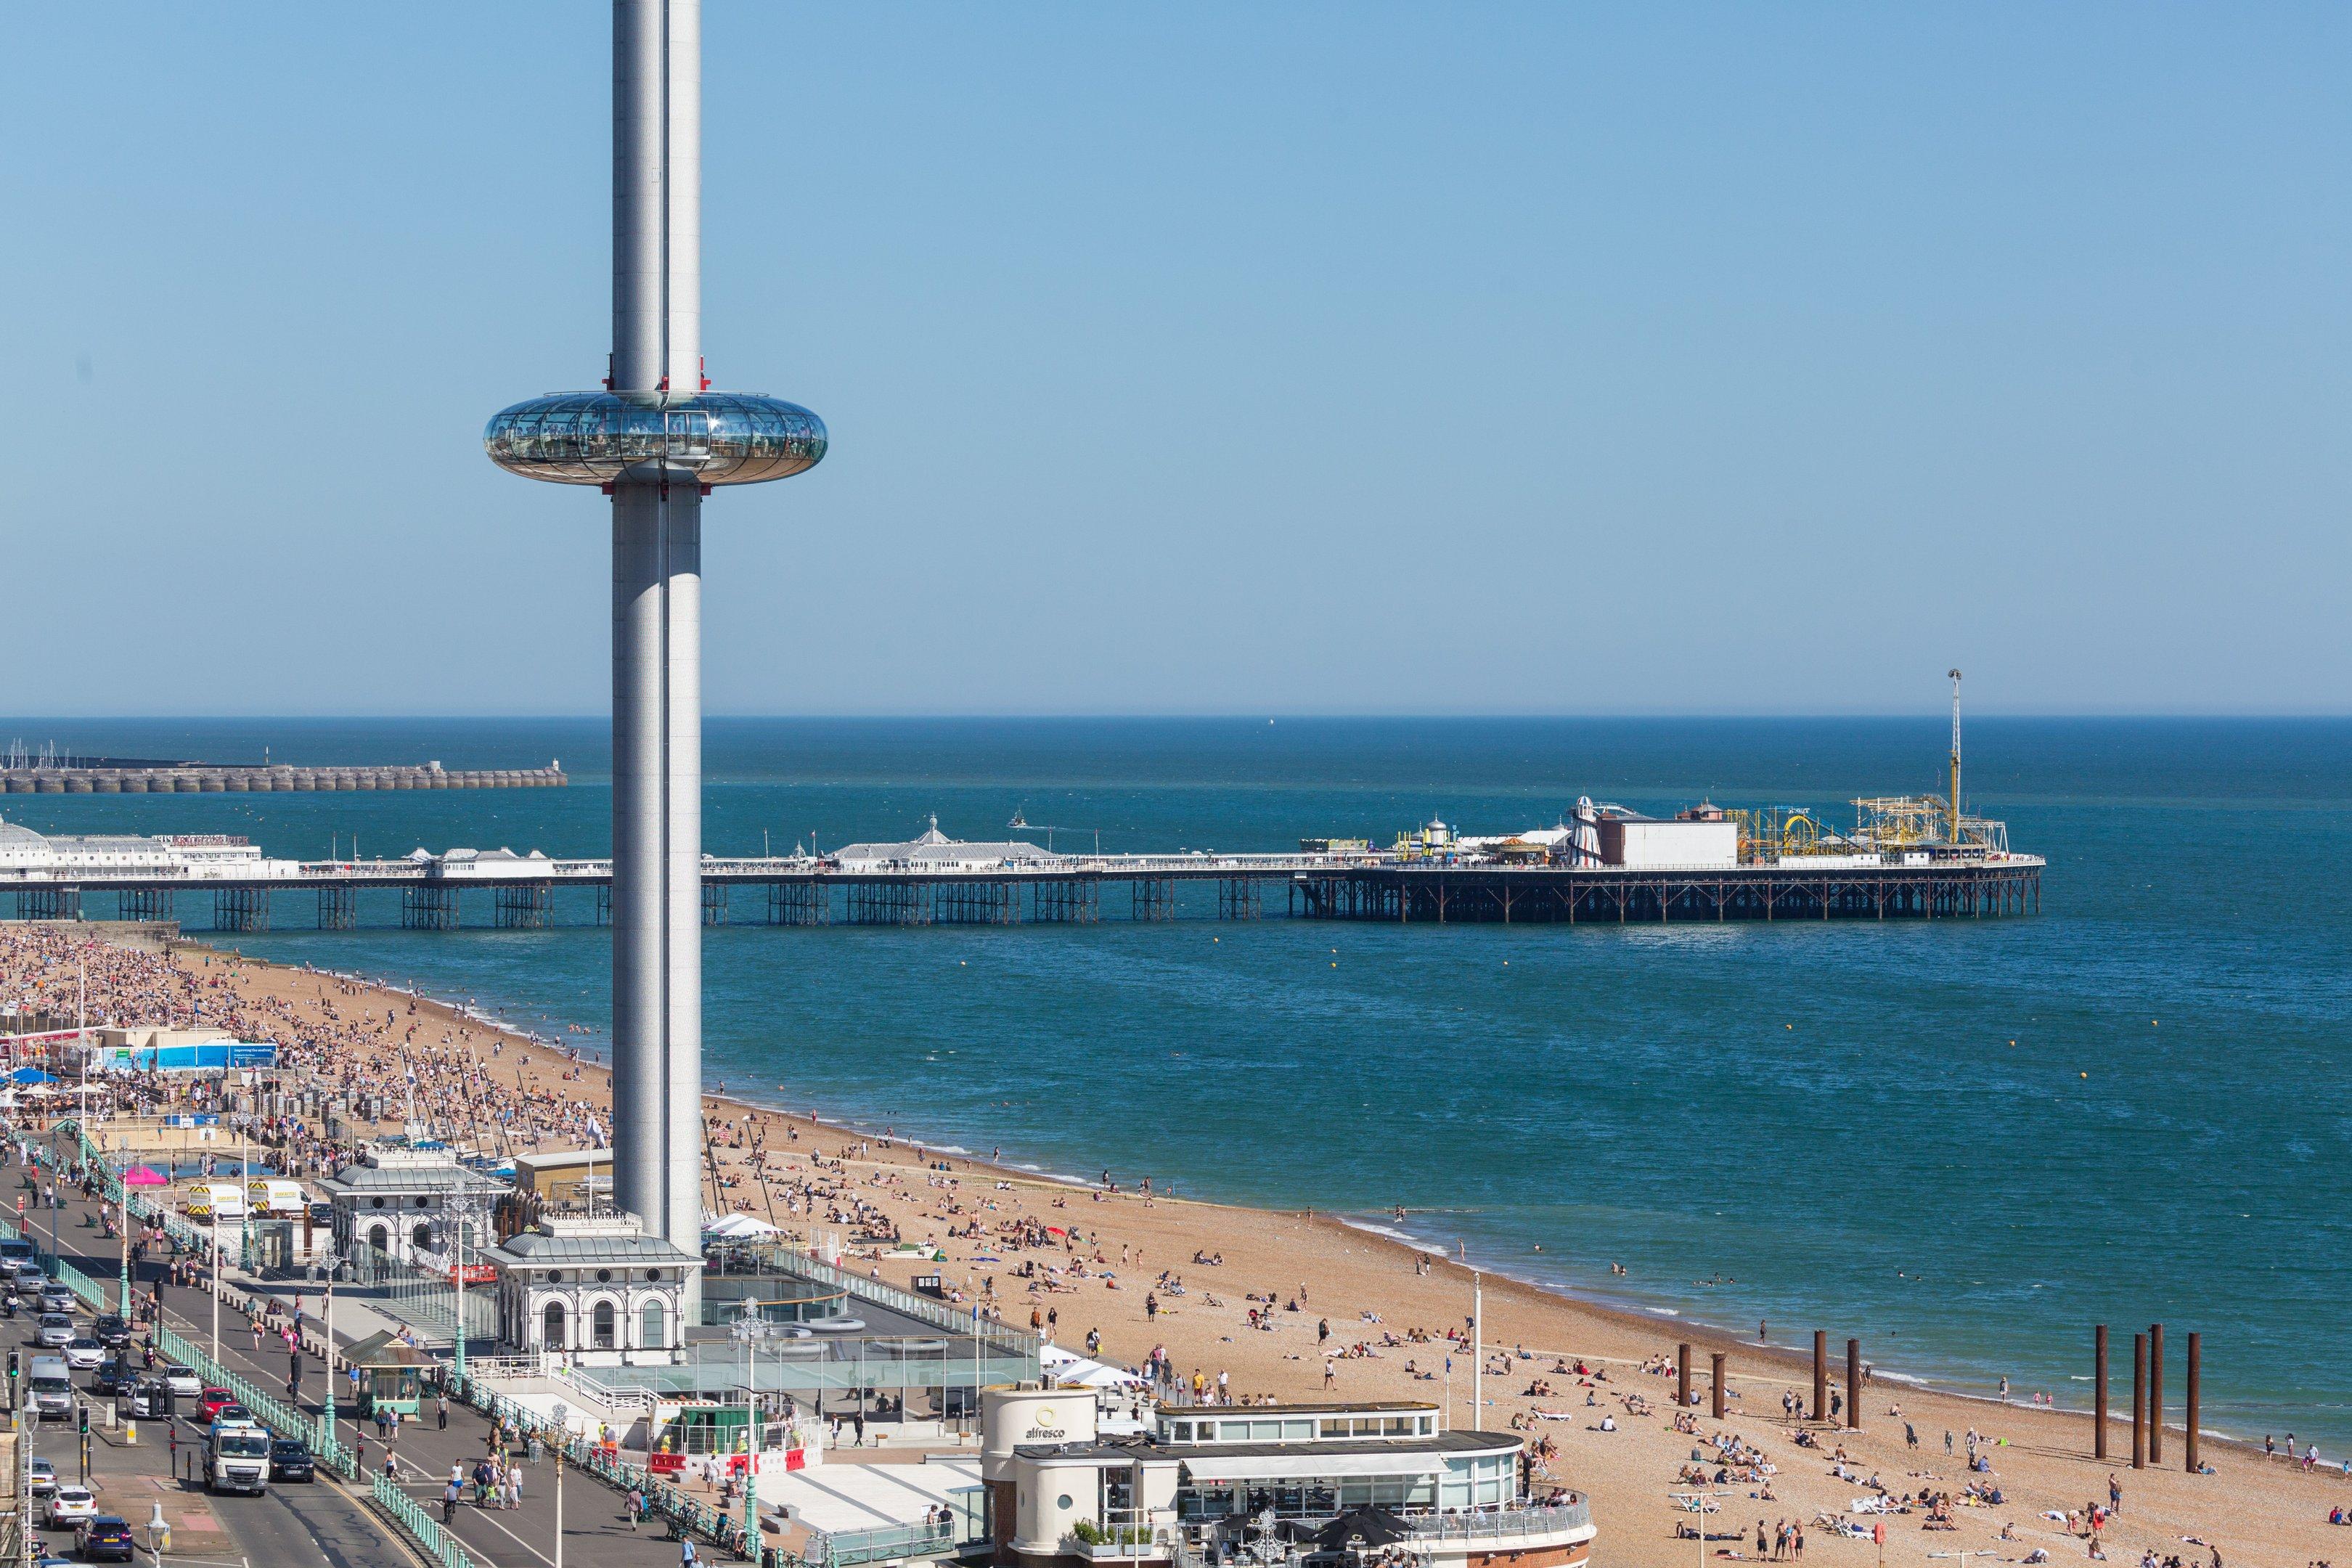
<point x="1313" y="358"/>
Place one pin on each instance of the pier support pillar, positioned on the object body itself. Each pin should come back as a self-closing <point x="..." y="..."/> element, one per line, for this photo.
<point x="1853" y="1384"/>
<point x="240" y="908"/>
<point x="433" y="907"/>
<point x="2156" y="1394"/>
<point x="604" y="904"/>
<point x="1715" y="1395"/>
<point x="1154" y="898"/>
<point x="2099" y="1392"/>
<point x="1075" y="901"/>
<point x="1821" y="1374"/>
<point x="1237" y="898"/>
<point x="339" y="906"/>
<point x="714" y="903"/>
<point x="143" y="903"/>
<point x="524" y="906"/>
<point x="799" y="904"/>
<point x="1682" y="1377"/>
<point x="2139" y="1402"/>
<point x="48" y="904"/>
<point x="2196" y="1372"/>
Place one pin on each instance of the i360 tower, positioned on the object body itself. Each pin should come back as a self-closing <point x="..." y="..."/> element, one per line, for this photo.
<point x="656" y="439"/>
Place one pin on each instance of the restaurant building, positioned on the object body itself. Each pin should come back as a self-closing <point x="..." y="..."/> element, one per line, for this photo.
<point x="1325" y="1481"/>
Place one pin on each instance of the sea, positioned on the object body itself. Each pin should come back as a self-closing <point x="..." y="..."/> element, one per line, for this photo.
<point x="1965" y="1143"/>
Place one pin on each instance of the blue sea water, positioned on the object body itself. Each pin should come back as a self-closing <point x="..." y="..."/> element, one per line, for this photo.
<point x="1964" y="1141"/>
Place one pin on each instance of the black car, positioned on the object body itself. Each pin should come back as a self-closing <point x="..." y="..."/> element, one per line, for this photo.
<point x="111" y="1331"/>
<point x="113" y="1377"/>
<point x="289" y="1461"/>
<point x="106" y="1539"/>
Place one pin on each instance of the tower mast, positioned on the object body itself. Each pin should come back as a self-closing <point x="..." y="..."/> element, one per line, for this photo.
<point x="656" y="439"/>
<point x="1956" y="756"/>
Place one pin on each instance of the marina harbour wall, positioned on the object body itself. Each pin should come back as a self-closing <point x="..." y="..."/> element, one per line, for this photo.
<point x="264" y="780"/>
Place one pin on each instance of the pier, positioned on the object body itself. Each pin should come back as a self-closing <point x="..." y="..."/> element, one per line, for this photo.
<point x="106" y="776"/>
<point x="505" y="891"/>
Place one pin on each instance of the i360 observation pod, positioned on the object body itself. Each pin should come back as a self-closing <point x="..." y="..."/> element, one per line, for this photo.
<point x="658" y="439"/>
<point x="601" y="437"/>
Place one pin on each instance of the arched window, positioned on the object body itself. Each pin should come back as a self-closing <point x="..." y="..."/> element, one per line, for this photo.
<point x="651" y="1328"/>
<point x="379" y="1237"/>
<point x="603" y="1325"/>
<point x="421" y="1234"/>
<point x="550" y="1327"/>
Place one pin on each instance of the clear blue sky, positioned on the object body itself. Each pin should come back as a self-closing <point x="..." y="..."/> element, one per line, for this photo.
<point x="1304" y="358"/>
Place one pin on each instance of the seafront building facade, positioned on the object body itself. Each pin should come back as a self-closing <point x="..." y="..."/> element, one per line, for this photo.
<point x="1267" y="1480"/>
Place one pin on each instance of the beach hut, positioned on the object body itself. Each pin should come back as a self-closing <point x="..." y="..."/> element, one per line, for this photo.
<point x="392" y="1373"/>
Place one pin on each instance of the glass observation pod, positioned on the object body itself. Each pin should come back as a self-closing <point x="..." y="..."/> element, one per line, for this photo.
<point x="597" y="438"/>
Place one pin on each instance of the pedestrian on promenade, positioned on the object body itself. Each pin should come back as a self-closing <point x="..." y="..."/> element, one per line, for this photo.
<point x="441" y="1411"/>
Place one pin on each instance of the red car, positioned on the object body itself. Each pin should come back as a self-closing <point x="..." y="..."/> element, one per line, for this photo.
<point x="210" y="1402"/>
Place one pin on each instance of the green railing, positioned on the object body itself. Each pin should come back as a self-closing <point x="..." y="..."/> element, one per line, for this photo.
<point x="721" y="1529"/>
<point x="272" y="1412"/>
<point x="411" y="1517"/>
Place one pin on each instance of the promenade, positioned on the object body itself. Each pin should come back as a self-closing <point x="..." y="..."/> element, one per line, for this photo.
<point x="328" y="1514"/>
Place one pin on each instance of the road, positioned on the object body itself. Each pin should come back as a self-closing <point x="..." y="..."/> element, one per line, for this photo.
<point x="295" y="1523"/>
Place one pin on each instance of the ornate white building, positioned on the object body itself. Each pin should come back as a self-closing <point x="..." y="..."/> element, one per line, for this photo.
<point x="592" y="1286"/>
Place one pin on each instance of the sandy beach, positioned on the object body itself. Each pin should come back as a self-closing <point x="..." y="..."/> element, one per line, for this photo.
<point x="1207" y="1268"/>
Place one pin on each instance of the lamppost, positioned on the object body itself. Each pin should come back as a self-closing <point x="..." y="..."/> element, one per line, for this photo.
<point x="559" y="1495"/>
<point x="216" y="1284"/>
<point x="330" y="1263"/>
<point x="461" y="1208"/>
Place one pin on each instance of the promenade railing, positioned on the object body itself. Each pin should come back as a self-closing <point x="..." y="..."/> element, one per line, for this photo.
<point x="411" y="1517"/>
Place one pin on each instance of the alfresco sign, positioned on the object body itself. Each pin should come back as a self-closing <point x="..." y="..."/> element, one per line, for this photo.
<point x="1041" y="1424"/>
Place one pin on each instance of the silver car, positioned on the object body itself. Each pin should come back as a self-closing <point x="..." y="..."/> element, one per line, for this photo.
<point x="27" y="1278"/>
<point x="56" y="1298"/>
<point x="183" y="1382"/>
<point x="55" y="1329"/>
<point x="85" y="1355"/>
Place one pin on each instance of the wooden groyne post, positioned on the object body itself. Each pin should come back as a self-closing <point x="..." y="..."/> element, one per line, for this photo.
<point x="2099" y="1392"/>
<point x="1821" y="1374"/>
<point x="2139" y="1402"/>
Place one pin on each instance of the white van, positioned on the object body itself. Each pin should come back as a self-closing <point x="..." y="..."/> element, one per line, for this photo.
<point x="237" y="1457"/>
<point x="210" y="1201"/>
<point x="275" y="1196"/>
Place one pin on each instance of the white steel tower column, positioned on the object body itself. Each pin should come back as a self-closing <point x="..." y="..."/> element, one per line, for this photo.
<point x="657" y="628"/>
<point x="656" y="438"/>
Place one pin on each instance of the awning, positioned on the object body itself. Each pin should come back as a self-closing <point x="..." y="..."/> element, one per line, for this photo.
<point x="1309" y="1467"/>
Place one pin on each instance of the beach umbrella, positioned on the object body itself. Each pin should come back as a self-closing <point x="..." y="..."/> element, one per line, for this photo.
<point x="143" y="1176"/>
<point x="30" y="1075"/>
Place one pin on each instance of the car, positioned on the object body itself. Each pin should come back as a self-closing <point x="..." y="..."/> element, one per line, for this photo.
<point x="84" y="1354"/>
<point x="56" y="1329"/>
<point x="45" y="1477"/>
<point x="183" y="1382"/>
<point x="290" y="1461"/>
<point x="111" y="1331"/>
<point x="15" y="1249"/>
<point x="112" y="1377"/>
<point x="56" y="1298"/>
<point x="151" y="1396"/>
<point x="28" y="1278"/>
<point x="211" y="1402"/>
<point x="233" y="1414"/>
<point x="68" y="1504"/>
<point x="105" y="1538"/>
